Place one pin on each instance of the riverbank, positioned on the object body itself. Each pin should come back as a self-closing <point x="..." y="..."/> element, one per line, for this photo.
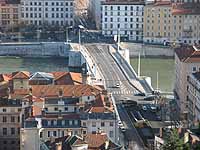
<point x="150" y="51"/>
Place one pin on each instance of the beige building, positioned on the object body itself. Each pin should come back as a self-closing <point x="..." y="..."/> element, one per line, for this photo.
<point x="157" y="22"/>
<point x="9" y="13"/>
<point x="10" y="111"/>
<point x="172" y="22"/>
<point x="187" y="61"/>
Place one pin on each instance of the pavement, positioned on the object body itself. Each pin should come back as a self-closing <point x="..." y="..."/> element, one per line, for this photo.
<point x="113" y="75"/>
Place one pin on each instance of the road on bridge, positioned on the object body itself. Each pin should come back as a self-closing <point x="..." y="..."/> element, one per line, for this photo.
<point x="113" y="76"/>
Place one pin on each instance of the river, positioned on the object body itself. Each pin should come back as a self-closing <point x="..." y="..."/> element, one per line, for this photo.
<point x="164" y="67"/>
<point x="11" y="64"/>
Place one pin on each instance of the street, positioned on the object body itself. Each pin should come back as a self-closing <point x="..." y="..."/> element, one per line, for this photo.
<point x="113" y="75"/>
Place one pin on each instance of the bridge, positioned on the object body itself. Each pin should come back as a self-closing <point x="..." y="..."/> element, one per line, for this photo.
<point x="114" y="70"/>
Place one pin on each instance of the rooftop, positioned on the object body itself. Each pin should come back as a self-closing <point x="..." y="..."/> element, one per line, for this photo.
<point x="188" y="54"/>
<point x="66" y="90"/>
<point x="123" y="2"/>
<point x="186" y="8"/>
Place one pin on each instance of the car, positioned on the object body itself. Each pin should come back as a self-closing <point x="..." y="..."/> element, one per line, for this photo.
<point x="123" y="129"/>
<point x="117" y="85"/>
<point x="139" y="94"/>
<point x="153" y="108"/>
<point x="144" y="108"/>
<point x="120" y="124"/>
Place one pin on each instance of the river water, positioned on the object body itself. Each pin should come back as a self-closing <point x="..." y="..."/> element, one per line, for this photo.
<point x="11" y="64"/>
<point x="164" y="67"/>
<point x="149" y="67"/>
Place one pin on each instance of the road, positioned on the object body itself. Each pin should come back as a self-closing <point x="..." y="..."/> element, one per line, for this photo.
<point x="112" y="76"/>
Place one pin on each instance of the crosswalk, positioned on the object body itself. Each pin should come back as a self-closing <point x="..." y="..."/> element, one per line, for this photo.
<point x="123" y="92"/>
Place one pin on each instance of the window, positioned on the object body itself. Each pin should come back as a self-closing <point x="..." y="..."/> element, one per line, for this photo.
<point x="118" y="8"/>
<point x="18" y="131"/>
<point x="111" y="134"/>
<point x="4" y="131"/>
<point x="12" y="119"/>
<point x="84" y="124"/>
<point x="4" y="109"/>
<point x="63" y="133"/>
<point x="111" y="19"/>
<point x="76" y="122"/>
<point x="12" y="142"/>
<point x="66" y="108"/>
<point x="194" y="69"/>
<point x="93" y="124"/>
<point x="102" y="124"/>
<point x="41" y="134"/>
<point x="4" y="119"/>
<point x="111" y="124"/>
<point x="56" y="108"/>
<point x="49" y="133"/>
<point x="54" y="133"/>
<point x="12" y="131"/>
<point x="70" y="122"/>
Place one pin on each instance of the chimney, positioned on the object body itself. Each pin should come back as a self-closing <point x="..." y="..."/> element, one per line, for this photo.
<point x="30" y="91"/>
<point x="161" y="132"/>
<point x="8" y="93"/>
<point x="60" y="92"/>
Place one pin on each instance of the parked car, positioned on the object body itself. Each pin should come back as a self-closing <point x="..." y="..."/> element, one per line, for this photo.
<point x="144" y="108"/>
<point x="123" y="129"/>
<point x="139" y="94"/>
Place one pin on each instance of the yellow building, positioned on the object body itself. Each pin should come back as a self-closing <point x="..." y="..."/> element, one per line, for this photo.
<point x="9" y="13"/>
<point x="157" y="22"/>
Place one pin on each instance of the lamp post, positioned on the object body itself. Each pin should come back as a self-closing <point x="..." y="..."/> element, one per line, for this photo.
<point x="67" y="34"/>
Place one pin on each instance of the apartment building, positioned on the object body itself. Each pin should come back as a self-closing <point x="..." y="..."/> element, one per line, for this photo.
<point x="157" y="22"/>
<point x="48" y="12"/>
<point x="62" y="110"/>
<point x="186" y="62"/>
<point x="9" y="13"/>
<point x="186" y="22"/>
<point x="193" y="97"/>
<point x="124" y="17"/>
<point x="10" y="123"/>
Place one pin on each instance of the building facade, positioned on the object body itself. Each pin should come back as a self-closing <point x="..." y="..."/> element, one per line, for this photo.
<point x="186" y="62"/>
<point x="124" y="18"/>
<point x="10" y="112"/>
<point x="193" y="96"/>
<point x="95" y="11"/>
<point x="157" y="22"/>
<point x="48" y="12"/>
<point x="9" y="14"/>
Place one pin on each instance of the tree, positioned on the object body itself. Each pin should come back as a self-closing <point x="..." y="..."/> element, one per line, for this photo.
<point x="174" y="142"/>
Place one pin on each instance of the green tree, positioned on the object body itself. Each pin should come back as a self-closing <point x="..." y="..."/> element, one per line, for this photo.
<point x="174" y="142"/>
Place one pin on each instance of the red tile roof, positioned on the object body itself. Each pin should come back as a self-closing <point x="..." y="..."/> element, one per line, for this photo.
<point x="70" y="77"/>
<point x="36" y="111"/>
<point x="100" y="110"/>
<point x="188" y="54"/>
<point x="67" y="90"/>
<point x="95" y="141"/>
<point x="21" y="75"/>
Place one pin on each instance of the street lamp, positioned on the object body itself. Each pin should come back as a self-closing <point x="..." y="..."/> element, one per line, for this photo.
<point x="79" y="35"/>
<point x="67" y="35"/>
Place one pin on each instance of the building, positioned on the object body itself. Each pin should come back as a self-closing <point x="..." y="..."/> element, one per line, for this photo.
<point x="10" y="112"/>
<point x="187" y="61"/>
<point x="95" y="11"/>
<point x="9" y="14"/>
<point x="62" y="110"/>
<point x="124" y="17"/>
<point x="173" y="22"/>
<point x="186" y="22"/>
<point x="48" y="12"/>
<point x="193" y="96"/>
<point x="157" y="22"/>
